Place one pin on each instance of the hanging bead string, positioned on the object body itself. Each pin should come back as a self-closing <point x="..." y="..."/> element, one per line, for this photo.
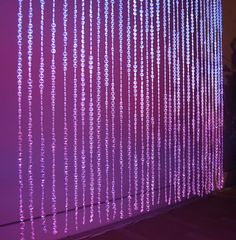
<point x="209" y="157"/>
<point x="174" y="68"/>
<point x="211" y="121"/>
<point x="210" y="87"/>
<point x="30" y="120"/>
<point x="202" y="100"/>
<point x="220" y="100"/>
<point x="178" y="99"/>
<point x="99" y="174"/>
<point x="222" y="97"/>
<point x="214" y="110"/>
<point x="91" y="110"/>
<point x="215" y="97"/>
<point x="188" y="101"/>
<point x="152" y="104"/>
<point x="193" y="82"/>
<point x="165" y="97"/>
<point x="121" y="104"/>
<point x="66" y="173"/>
<point x="106" y="72"/>
<point x="202" y="96"/>
<point x="158" y="103"/>
<point x="42" y="139"/>
<point x="209" y="95"/>
<point x="142" y="103"/>
<point x="135" y="89"/>
<point x="20" y="135"/>
<point x="205" y="97"/>
<point x="218" y="93"/>
<point x="169" y="104"/>
<point x="53" y="105"/>
<point x="147" y="108"/>
<point x="184" y="178"/>
<point x="129" y="105"/>
<point x="218" y="172"/>
<point x="198" y="92"/>
<point x="83" y="157"/>
<point x="75" y="113"/>
<point x="113" y="107"/>
<point x="212" y="149"/>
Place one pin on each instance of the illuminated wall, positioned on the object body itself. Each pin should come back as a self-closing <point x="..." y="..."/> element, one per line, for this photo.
<point x="119" y="111"/>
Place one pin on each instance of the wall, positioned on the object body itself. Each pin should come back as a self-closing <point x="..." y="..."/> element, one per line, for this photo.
<point x="229" y="52"/>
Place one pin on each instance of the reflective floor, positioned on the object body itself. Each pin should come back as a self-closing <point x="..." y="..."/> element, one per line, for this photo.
<point x="213" y="217"/>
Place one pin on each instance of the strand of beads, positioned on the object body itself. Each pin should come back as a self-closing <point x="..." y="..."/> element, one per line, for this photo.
<point x="147" y="107"/>
<point x="53" y="105"/>
<point x="106" y="71"/>
<point x="178" y="99"/>
<point x="221" y="98"/>
<point x="42" y="139"/>
<point x="220" y="93"/>
<point x="210" y="153"/>
<point x="184" y="179"/>
<point x="121" y="104"/>
<point x="20" y="139"/>
<point x="174" y="102"/>
<point x="142" y="103"/>
<point x="213" y="146"/>
<point x="30" y="134"/>
<point x="113" y="107"/>
<point x="99" y="111"/>
<point x="152" y="104"/>
<point x="188" y="101"/>
<point x="165" y="97"/>
<point x="202" y="101"/>
<point x="217" y="92"/>
<point x="169" y="104"/>
<point x="158" y="103"/>
<point x="213" y="140"/>
<point x="75" y="113"/>
<point x="66" y="174"/>
<point x="91" y="110"/>
<point x="205" y="99"/>
<point x="215" y="111"/>
<point x="135" y="89"/>
<point x="193" y="98"/>
<point x="211" y="109"/>
<point x="215" y="97"/>
<point x="198" y="97"/>
<point x="129" y="104"/>
<point x="208" y="97"/>
<point x="82" y="60"/>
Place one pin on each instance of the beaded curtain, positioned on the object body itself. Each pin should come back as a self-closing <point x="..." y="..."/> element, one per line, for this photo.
<point x="120" y="109"/>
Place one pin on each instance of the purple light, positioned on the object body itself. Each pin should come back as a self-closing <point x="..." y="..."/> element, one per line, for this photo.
<point x="135" y="97"/>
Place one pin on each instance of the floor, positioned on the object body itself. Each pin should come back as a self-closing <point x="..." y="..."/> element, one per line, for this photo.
<point x="213" y="217"/>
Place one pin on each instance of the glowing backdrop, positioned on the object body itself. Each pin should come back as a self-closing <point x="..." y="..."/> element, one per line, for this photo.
<point x="120" y="109"/>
